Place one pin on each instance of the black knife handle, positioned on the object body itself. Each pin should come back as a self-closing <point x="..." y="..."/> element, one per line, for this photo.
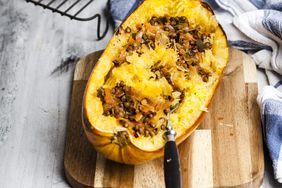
<point x="172" y="166"/>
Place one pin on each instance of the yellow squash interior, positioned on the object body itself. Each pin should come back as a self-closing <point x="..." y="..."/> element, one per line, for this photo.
<point x="137" y="73"/>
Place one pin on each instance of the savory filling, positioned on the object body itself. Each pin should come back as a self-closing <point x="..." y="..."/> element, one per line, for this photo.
<point x="173" y="32"/>
<point x="132" y="111"/>
<point x="140" y="115"/>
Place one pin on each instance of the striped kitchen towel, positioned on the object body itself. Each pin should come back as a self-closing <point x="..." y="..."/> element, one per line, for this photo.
<point x="121" y="8"/>
<point x="254" y="26"/>
<point x="270" y="100"/>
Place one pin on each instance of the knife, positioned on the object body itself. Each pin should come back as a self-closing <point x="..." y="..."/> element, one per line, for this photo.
<point x="171" y="157"/>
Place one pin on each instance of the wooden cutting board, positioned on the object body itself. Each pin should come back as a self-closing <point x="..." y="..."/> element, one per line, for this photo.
<point x="225" y="151"/>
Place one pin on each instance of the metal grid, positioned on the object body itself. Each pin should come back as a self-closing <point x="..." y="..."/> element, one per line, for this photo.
<point x="47" y="4"/>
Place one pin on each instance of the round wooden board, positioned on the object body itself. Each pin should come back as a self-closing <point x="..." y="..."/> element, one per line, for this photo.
<point x="225" y="151"/>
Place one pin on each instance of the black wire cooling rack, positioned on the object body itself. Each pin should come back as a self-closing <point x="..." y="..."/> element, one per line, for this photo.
<point x="64" y="7"/>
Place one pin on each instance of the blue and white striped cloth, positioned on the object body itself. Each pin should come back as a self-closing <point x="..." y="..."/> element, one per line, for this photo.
<point x="121" y="8"/>
<point x="271" y="107"/>
<point x="254" y="26"/>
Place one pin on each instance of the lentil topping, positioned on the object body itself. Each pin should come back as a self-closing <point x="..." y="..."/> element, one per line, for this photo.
<point x="173" y="32"/>
<point x="133" y="112"/>
<point x="139" y="114"/>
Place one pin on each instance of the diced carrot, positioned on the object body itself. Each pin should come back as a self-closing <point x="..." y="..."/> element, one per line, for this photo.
<point x="138" y="116"/>
<point x="199" y="56"/>
<point x="131" y="41"/>
<point x="147" y="108"/>
<point x="108" y="96"/>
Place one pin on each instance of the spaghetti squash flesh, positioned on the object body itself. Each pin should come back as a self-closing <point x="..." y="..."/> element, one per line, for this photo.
<point x="157" y="59"/>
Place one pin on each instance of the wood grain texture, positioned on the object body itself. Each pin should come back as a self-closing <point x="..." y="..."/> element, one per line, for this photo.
<point x="196" y="160"/>
<point x="34" y="100"/>
<point x="225" y="151"/>
<point x="233" y="124"/>
<point x="86" y="172"/>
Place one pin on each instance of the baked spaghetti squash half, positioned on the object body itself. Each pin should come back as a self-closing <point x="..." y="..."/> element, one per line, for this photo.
<point x="166" y="53"/>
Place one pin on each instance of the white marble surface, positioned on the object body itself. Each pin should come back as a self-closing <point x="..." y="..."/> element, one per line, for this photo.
<point x="33" y="101"/>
